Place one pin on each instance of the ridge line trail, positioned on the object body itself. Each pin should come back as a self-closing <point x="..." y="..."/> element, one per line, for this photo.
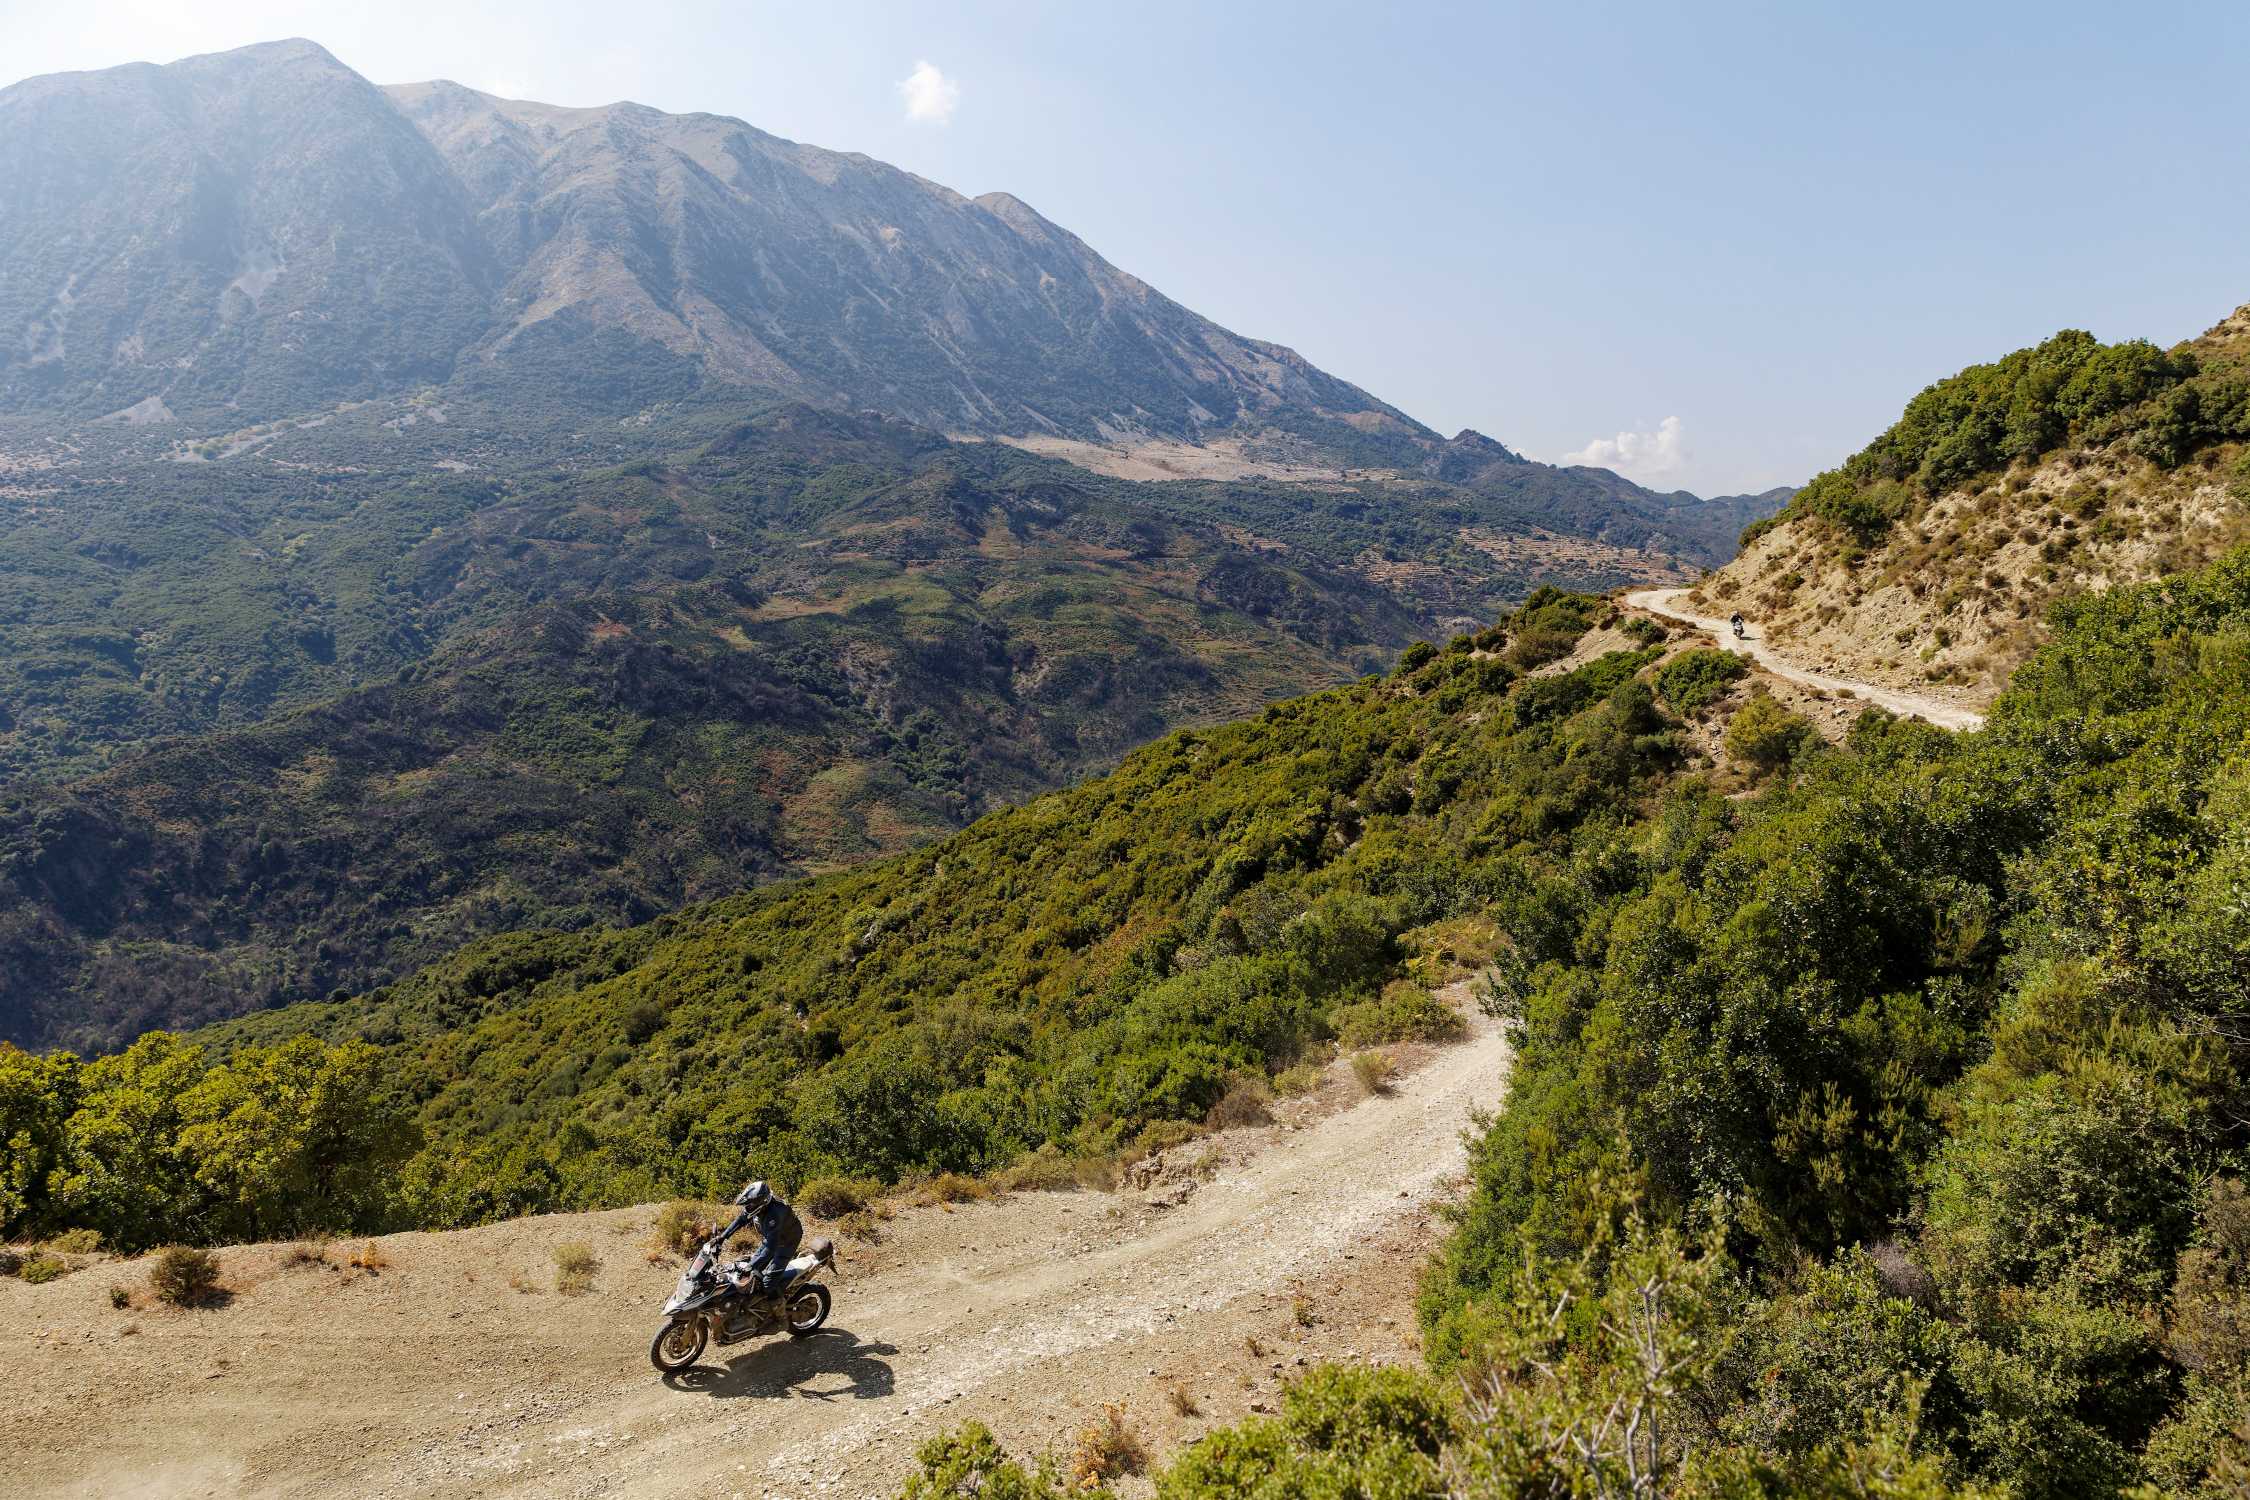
<point x="1025" y="1312"/>
<point x="1945" y="715"/>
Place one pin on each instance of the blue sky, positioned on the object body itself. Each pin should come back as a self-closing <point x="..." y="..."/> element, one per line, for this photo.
<point x="1557" y="224"/>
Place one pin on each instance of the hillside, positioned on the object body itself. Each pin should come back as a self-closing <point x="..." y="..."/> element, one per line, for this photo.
<point x="759" y="666"/>
<point x="1064" y="972"/>
<point x="1924" y="1050"/>
<point x="1881" y="1135"/>
<point x="1932" y="558"/>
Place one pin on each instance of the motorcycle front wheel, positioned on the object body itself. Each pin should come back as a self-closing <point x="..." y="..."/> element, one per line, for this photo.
<point x="677" y="1344"/>
<point x="808" y="1309"/>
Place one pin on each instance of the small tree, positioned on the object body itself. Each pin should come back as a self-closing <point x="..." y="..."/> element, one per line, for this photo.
<point x="183" y="1275"/>
<point x="1764" y="735"/>
<point x="1582" y="1368"/>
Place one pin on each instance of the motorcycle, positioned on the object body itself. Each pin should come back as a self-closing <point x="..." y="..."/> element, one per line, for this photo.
<point x="715" y="1304"/>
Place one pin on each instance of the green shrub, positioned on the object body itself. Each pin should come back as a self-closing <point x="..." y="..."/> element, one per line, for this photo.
<point x="42" y="1268"/>
<point x="1298" y="1079"/>
<point x="183" y="1275"/>
<point x="833" y="1197"/>
<point x="1694" y="680"/>
<point x="681" y="1226"/>
<point x="1405" y="1012"/>
<point x="1764" y="735"/>
<point x="1373" y="1069"/>
<point x="970" y="1465"/>
<point x="76" y="1242"/>
<point x="1645" y="630"/>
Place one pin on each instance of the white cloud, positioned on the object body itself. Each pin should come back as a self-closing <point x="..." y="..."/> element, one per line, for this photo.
<point x="1640" y="454"/>
<point x="930" y="96"/>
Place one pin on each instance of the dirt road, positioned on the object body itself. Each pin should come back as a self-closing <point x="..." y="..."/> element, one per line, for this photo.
<point x="1667" y="602"/>
<point x="456" y="1370"/>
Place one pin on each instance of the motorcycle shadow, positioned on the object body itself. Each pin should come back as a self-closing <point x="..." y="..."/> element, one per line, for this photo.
<point x="809" y="1368"/>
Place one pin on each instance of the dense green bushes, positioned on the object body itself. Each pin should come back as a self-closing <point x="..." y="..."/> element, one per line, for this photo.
<point x="1059" y="975"/>
<point x="1881" y="1135"/>
<point x="162" y="1142"/>
<point x="2072" y="388"/>
<point x="1946" y="1037"/>
<point x="1694" y="680"/>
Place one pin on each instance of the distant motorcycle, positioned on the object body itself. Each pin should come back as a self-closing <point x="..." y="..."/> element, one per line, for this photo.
<point x="715" y="1304"/>
<point x="1736" y="622"/>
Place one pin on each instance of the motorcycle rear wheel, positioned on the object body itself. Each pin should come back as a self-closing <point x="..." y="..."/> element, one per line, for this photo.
<point x="808" y="1309"/>
<point x="677" y="1344"/>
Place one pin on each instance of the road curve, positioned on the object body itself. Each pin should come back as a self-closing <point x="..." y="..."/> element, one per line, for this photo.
<point x="1666" y="602"/>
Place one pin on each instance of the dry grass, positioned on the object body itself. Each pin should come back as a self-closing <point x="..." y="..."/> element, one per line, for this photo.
<point x="834" y="1197"/>
<point x="1374" y="1069"/>
<point x="1158" y="1136"/>
<point x="575" y="1264"/>
<point x="1182" y="1401"/>
<point x="955" y="1187"/>
<point x="120" y="1296"/>
<point x="1107" y="1447"/>
<point x="1244" y="1103"/>
<point x="680" y="1226"/>
<point x="1302" y="1079"/>
<point x="310" y="1252"/>
<point x="1301" y="1312"/>
<point x="370" y="1258"/>
<point x="1046" y="1170"/>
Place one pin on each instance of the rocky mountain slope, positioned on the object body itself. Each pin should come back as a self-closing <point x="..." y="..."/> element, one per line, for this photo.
<point x="263" y="232"/>
<point x="1931" y="560"/>
<point x="254" y="232"/>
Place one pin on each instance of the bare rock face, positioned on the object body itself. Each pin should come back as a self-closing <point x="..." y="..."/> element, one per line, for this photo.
<point x="267" y="232"/>
<point x="258" y="228"/>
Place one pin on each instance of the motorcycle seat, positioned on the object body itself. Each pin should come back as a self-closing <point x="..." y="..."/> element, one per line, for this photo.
<point x="814" y="1252"/>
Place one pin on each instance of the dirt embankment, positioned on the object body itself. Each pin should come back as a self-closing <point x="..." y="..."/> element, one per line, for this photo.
<point x="455" y="1370"/>
<point x="1674" y="605"/>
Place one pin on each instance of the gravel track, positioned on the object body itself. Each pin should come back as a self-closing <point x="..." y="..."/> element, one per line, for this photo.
<point x="1666" y="602"/>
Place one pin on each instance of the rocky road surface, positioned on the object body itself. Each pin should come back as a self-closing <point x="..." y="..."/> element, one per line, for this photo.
<point x="1667" y="602"/>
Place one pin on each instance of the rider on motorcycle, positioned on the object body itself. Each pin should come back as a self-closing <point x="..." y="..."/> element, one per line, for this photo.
<point x="779" y="1234"/>
<point x="1736" y="622"/>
